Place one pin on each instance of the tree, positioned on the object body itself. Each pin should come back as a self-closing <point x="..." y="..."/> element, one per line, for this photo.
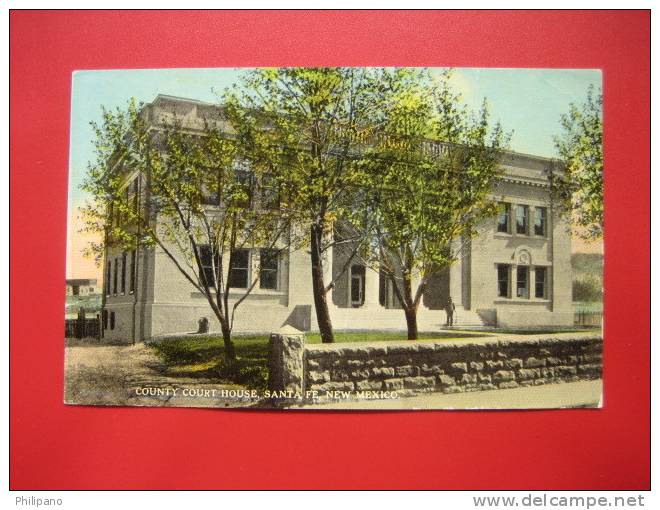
<point x="431" y="171"/>
<point x="579" y="188"/>
<point x="196" y="203"/>
<point x="306" y="126"/>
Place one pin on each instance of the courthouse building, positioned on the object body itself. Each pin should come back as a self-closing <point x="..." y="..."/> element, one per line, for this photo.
<point x="515" y="273"/>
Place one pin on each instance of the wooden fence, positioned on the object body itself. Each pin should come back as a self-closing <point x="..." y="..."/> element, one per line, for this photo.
<point x="82" y="328"/>
<point x="588" y="318"/>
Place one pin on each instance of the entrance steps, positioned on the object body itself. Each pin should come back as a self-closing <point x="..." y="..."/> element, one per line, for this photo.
<point x="379" y="318"/>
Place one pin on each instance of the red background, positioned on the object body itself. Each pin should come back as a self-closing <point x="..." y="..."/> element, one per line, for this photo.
<point x="66" y="447"/>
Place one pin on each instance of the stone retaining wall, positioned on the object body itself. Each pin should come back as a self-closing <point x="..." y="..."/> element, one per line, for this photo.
<point x="410" y="367"/>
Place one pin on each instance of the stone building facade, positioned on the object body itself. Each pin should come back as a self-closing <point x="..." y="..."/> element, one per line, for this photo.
<point x="516" y="272"/>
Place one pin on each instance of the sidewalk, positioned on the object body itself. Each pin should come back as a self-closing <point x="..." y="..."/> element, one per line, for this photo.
<point x="547" y="396"/>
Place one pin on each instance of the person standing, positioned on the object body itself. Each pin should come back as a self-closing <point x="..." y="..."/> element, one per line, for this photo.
<point x="450" y="308"/>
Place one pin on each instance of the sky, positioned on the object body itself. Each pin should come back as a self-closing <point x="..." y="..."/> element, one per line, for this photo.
<point x="528" y="102"/>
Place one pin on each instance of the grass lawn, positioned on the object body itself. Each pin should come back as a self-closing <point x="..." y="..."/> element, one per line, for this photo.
<point x="202" y="356"/>
<point x="375" y="336"/>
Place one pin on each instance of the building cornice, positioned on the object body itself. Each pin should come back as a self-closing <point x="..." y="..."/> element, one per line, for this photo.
<point x="540" y="166"/>
<point x="524" y="182"/>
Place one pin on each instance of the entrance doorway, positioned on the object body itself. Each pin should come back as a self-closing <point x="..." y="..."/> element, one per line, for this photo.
<point x="357" y="286"/>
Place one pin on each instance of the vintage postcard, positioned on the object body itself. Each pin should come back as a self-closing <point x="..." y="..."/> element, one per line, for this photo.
<point x="335" y="238"/>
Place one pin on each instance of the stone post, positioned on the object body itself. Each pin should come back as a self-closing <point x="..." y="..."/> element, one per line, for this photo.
<point x="285" y="364"/>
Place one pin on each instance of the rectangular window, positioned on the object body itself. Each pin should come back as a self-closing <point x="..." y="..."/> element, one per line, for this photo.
<point x="540" y="221"/>
<point x="114" y="278"/>
<point x="210" y="197"/>
<point x="244" y="180"/>
<point x="521" y="219"/>
<point x="270" y="196"/>
<point x="269" y="262"/>
<point x="503" y="215"/>
<point x="211" y="188"/>
<point x="112" y="320"/>
<point x="382" y="287"/>
<point x="131" y="287"/>
<point x="104" y="318"/>
<point x="239" y="269"/>
<point x="209" y="273"/>
<point x="123" y="273"/>
<point x="503" y="280"/>
<point x="540" y="284"/>
<point x="108" y="279"/>
<point x="522" y="282"/>
<point x="357" y="285"/>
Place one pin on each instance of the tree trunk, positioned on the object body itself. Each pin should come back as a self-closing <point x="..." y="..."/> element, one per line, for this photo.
<point x="318" y="287"/>
<point x="409" y="308"/>
<point x="230" y="351"/>
<point x="411" y="322"/>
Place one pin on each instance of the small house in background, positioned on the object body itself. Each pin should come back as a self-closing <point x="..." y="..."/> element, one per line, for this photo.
<point x="82" y="287"/>
<point x="84" y="293"/>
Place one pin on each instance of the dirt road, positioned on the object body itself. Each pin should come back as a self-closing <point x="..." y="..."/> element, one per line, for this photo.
<point x="134" y="375"/>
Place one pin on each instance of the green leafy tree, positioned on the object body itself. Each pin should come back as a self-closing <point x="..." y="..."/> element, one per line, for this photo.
<point x="306" y="126"/>
<point x="579" y="188"/>
<point x="432" y="167"/>
<point x="588" y="289"/>
<point x="194" y="201"/>
<point x="587" y="277"/>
